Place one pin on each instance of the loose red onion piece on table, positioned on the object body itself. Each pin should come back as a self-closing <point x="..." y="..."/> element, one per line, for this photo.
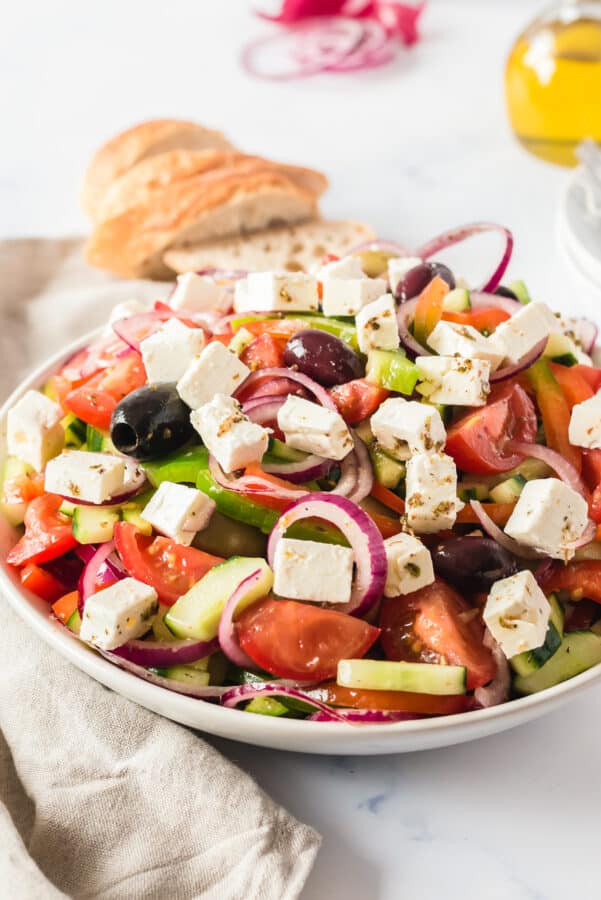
<point x="457" y="235"/>
<point x="162" y="654"/>
<point x="524" y="363"/>
<point x="560" y="465"/>
<point x="364" y="716"/>
<point x="198" y="692"/>
<point x="227" y="630"/>
<point x="320" y="393"/>
<point x="251" y="484"/>
<point x="498" y="690"/>
<point x="236" y="695"/>
<point x="493" y="531"/>
<point x="375" y="48"/>
<point x="361" y="533"/>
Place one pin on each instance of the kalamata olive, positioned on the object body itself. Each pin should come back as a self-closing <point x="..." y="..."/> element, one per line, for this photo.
<point x="419" y="276"/>
<point x="503" y="291"/>
<point x="472" y="563"/>
<point x="323" y="357"/>
<point x="150" y="422"/>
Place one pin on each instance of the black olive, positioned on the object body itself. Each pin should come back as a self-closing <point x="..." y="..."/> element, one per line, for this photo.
<point x="503" y="291"/>
<point x="472" y="563"/>
<point x="150" y="422"/>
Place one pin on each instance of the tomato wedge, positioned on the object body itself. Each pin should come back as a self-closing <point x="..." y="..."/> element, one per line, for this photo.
<point x="579" y="579"/>
<point x="433" y="624"/>
<point x="264" y="352"/>
<point x="358" y="399"/>
<point x="555" y="412"/>
<point x="47" y="533"/>
<point x="402" y="701"/>
<point x="302" y="641"/>
<point x="95" y="401"/>
<point x="41" y="583"/>
<point x="170" y="568"/>
<point x="479" y="442"/>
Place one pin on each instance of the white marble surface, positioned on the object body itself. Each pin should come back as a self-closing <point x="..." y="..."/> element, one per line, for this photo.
<point x="413" y="149"/>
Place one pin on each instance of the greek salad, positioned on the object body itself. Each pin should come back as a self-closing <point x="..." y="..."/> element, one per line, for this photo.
<point x="365" y="493"/>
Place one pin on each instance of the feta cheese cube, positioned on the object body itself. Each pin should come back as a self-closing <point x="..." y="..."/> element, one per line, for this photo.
<point x="431" y="492"/>
<point x="198" y="293"/>
<point x="517" y="614"/>
<point x="454" y="380"/>
<point x="347" y="267"/>
<point x="216" y="370"/>
<point x="308" y="570"/>
<point x="34" y="433"/>
<point x="409" y="565"/>
<point x="377" y="326"/>
<point x="276" y="292"/>
<point x="585" y="424"/>
<point x="404" y="427"/>
<point x="452" y="339"/>
<point x="120" y="613"/>
<point x="92" y="477"/>
<point x="398" y="268"/>
<point x="346" y="296"/>
<point x="524" y="330"/>
<point x="548" y="516"/>
<point x="233" y="439"/>
<point x="313" y="428"/>
<point x="126" y="309"/>
<point x="169" y="351"/>
<point x="178" y="511"/>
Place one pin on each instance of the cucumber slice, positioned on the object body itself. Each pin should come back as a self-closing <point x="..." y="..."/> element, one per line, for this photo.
<point x="472" y="491"/>
<point x="388" y="471"/>
<point x="579" y="651"/>
<point x="530" y="661"/>
<point x="94" y="439"/>
<point x="74" y="622"/>
<point x="419" y="678"/>
<point x="133" y="515"/>
<point x="160" y="631"/>
<point x="189" y="674"/>
<point x="67" y="508"/>
<point x="240" y="341"/>
<point x="363" y="429"/>
<point x="197" y="613"/>
<point x="75" y="431"/>
<point x="280" y="452"/>
<point x="391" y="370"/>
<point x="94" y="525"/>
<point x="266" y="706"/>
<point x="521" y="291"/>
<point x="509" y="490"/>
<point x="457" y="300"/>
<point x="560" y="348"/>
<point x="14" y="468"/>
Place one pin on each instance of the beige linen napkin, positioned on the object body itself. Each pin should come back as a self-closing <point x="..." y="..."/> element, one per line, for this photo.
<point x="100" y="798"/>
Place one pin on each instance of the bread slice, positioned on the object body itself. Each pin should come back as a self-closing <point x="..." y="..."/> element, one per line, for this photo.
<point x="225" y="202"/>
<point x="293" y="248"/>
<point x="144" y="182"/>
<point x="129" y="147"/>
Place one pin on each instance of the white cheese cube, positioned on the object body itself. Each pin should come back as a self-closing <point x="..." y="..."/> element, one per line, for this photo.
<point x="308" y="570"/>
<point x="92" y="477"/>
<point x="125" y="310"/>
<point x="233" y="439"/>
<point x="454" y="380"/>
<point x="347" y="267"/>
<point x="409" y="565"/>
<point x="517" y="614"/>
<point x="398" y="268"/>
<point x="276" y="292"/>
<point x="169" y="351"/>
<point x="404" y="427"/>
<point x="585" y="424"/>
<point x="377" y="327"/>
<point x="34" y="433"/>
<point x="198" y="293"/>
<point x="518" y="335"/>
<point x="313" y="428"/>
<point x="120" y="613"/>
<point x="548" y="516"/>
<point x="346" y="296"/>
<point x="452" y="339"/>
<point x="431" y="492"/>
<point x="216" y="370"/>
<point x="571" y="328"/>
<point x="178" y="511"/>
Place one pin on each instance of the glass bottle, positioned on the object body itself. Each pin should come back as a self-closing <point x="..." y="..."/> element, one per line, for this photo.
<point x="553" y="81"/>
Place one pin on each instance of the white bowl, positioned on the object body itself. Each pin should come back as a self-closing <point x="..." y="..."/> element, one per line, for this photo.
<point x="265" y="731"/>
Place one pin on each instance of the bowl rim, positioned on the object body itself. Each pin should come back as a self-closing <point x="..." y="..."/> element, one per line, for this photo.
<point x="218" y="719"/>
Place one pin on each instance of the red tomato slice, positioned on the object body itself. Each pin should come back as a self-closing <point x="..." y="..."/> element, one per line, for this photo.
<point x="264" y="352"/>
<point x="485" y="319"/>
<point x="358" y="399"/>
<point x="47" y="533"/>
<point x="41" y="583"/>
<point x="579" y="579"/>
<point x="478" y="441"/>
<point x="170" y="568"/>
<point x="402" y="701"/>
<point x="590" y="374"/>
<point x="94" y="402"/>
<point x="436" y="623"/>
<point x="23" y="488"/>
<point x="299" y="640"/>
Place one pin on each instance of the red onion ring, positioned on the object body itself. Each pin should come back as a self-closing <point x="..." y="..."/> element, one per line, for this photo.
<point x="199" y="692"/>
<point x="481" y="300"/>
<point x="89" y="578"/>
<point x="263" y="410"/>
<point x="364" y="716"/>
<point x="227" y="629"/>
<point x="500" y="537"/>
<point x="313" y="467"/>
<point x="497" y="691"/>
<point x="365" y="472"/>
<point x="320" y="393"/>
<point x="360" y="531"/>
<point x="524" y="363"/>
<point x="404" y="317"/>
<point x="374" y="48"/>
<point x="457" y="235"/>
<point x="162" y="654"/>
<point x="251" y="484"/>
<point x="564" y="469"/>
<point x="233" y="696"/>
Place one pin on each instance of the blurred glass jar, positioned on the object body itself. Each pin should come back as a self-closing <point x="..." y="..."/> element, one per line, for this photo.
<point x="553" y="81"/>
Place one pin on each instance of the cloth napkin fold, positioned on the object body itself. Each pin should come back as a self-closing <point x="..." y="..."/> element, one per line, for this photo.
<point x="100" y="798"/>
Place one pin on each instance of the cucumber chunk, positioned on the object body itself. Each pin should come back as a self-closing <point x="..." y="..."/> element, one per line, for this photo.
<point x="188" y="674"/>
<point x="266" y="706"/>
<point x="196" y="614"/>
<point x="133" y="515"/>
<point x="94" y="525"/>
<point x="560" y="349"/>
<point x="472" y="491"/>
<point x="75" y="431"/>
<point x="279" y="452"/>
<point x="67" y="508"/>
<point x="74" y="622"/>
<point x="521" y="291"/>
<point x="579" y="651"/>
<point x="457" y="300"/>
<point x="13" y="469"/>
<point x="383" y="675"/>
<point x="392" y="370"/>
<point x="388" y="471"/>
<point x="509" y="490"/>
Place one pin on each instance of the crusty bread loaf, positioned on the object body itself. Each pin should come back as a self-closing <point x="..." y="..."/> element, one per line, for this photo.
<point x="143" y="183"/>
<point x="293" y="248"/>
<point x="231" y="201"/>
<point x="129" y="147"/>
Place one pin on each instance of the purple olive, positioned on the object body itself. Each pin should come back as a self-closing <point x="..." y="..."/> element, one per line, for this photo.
<point x="419" y="277"/>
<point x="472" y="563"/>
<point x="323" y="357"/>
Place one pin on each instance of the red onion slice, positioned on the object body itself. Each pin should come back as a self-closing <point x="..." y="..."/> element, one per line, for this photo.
<point x="364" y="716"/>
<point x="365" y="472"/>
<point x="313" y="467"/>
<point x="405" y="315"/>
<point x="457" y="235"/>
<point x="162" y="654"/>
<point x="251" y="484"/>
<point x="320" y="393"/>
<point x="360" y="531"/>
<point x="374" y="47"/>
<point x="493" y="531"/>
<point x="482" y="300"/>
<point x="560" y="465"/>
<point x="199" y="692"/>
<point x="227" y="630"/>
<point x="524" y="363"/>
<point x="498" y="690"/>
<point x="236" y="695"/>
<point x="263" y="410"/>
<point x="92" y="574"/>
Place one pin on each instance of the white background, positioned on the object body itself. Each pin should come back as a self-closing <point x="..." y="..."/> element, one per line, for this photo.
<point x="412" y="149"/>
